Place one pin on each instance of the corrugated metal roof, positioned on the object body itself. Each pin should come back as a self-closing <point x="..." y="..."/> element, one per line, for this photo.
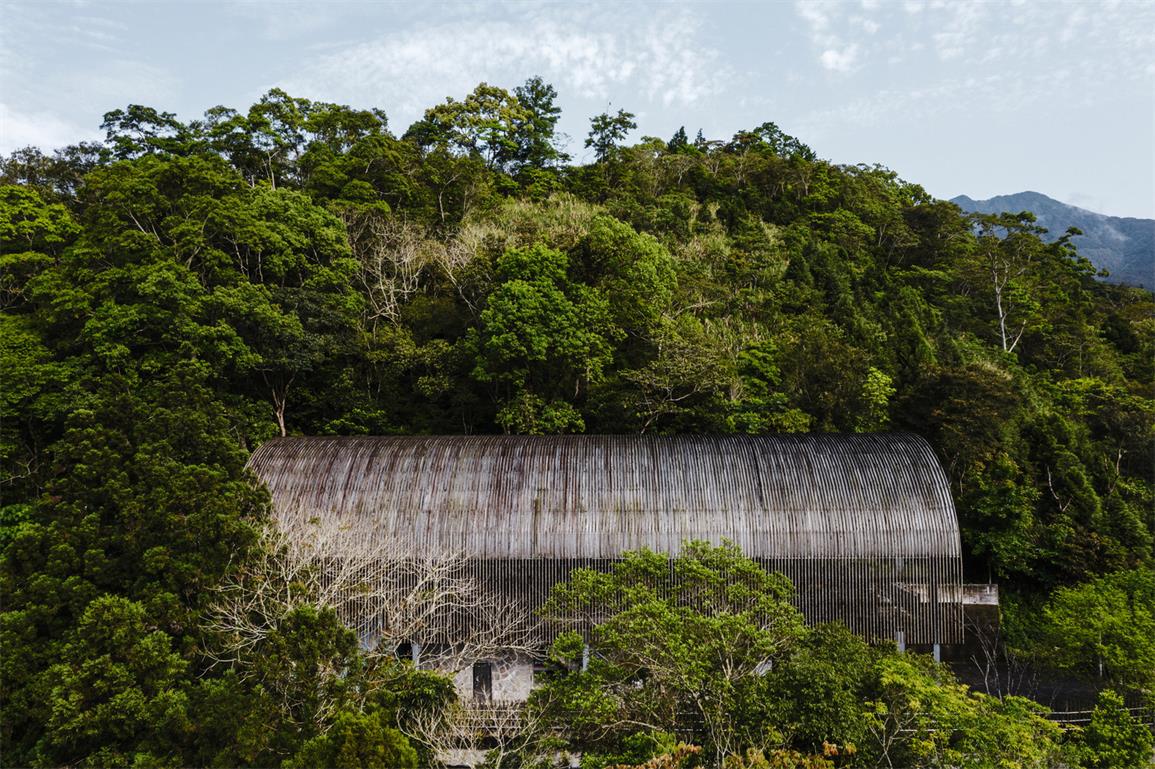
<point x="593" y="497"/>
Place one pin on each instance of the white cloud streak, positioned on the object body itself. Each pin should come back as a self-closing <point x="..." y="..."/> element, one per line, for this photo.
<point x="845" y="38"/>
<point x="659" y="56"/>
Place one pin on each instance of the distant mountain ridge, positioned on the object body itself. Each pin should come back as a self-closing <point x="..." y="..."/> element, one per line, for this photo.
<point x="1124" y="246"/>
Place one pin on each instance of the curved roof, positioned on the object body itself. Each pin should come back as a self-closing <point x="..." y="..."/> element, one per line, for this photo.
<point x="589" y="497"/>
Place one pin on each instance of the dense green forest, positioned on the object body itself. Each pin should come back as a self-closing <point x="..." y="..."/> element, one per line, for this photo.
<point x="181" y="292"/>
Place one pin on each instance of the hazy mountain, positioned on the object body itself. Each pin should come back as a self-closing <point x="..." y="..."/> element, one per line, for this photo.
<point x="1124" y="246"/>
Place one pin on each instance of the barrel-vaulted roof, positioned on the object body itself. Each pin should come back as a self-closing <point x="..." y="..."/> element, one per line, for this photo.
<point x="589" y="497"/>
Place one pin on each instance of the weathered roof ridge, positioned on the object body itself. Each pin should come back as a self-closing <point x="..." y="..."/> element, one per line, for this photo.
<point x="594" y="496"/>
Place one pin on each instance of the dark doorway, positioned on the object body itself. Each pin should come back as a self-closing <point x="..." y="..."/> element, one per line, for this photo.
<point x="483" y="681"/>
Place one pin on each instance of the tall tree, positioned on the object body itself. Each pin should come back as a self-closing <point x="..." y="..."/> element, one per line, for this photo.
<point x="490" y="124"/>
<point x="1007" y="251"/>
<point x="137" y="130"/>
<point x="537" y="138"/>
<point x="607" y="131"/>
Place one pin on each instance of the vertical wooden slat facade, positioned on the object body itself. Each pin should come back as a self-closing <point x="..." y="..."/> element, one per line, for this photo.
<point x="864" y="525"/>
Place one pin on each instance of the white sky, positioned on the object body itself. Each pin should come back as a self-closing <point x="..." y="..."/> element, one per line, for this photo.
<point x="964" y="98"/>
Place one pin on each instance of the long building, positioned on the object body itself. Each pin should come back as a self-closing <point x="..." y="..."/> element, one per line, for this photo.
<point x="863" y="525"/>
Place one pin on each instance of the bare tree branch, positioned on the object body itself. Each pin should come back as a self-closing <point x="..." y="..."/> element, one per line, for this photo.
<point x="501" y="730"/>
<point x="381" y="589"/>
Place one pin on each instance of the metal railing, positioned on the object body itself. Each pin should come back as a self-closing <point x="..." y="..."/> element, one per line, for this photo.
<point x="1145" y="716"/>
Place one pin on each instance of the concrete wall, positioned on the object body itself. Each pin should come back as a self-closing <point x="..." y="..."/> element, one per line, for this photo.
<point x="512" y="679"/>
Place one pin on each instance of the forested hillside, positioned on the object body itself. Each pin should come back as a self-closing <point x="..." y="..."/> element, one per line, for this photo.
<point x="182" y="291"/>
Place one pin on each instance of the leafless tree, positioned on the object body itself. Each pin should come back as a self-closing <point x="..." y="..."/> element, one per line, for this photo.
<point x="499" y="730"/>
<point x="1003" y="672"/>
<point x="388" y="593"/>
<point x="399" y="258"/>
<point x="394" y="255"/>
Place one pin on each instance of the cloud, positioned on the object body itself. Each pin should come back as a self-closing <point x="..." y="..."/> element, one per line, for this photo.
<point x="1085" y="201"/>
<point x="916" y="104"/>
<point x="117" y="82"/>
<point x="839" y="61"/>
<point x="38" y="129"/>
<point x="593" y="54"/>
<point x="817" y="16"/>
<point x="279" y="21"/>
<point x="962" y="29"/>
<point x="1111" y="41"/>
<point x="830" y="26"/>
<point x="63" y="65"/>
